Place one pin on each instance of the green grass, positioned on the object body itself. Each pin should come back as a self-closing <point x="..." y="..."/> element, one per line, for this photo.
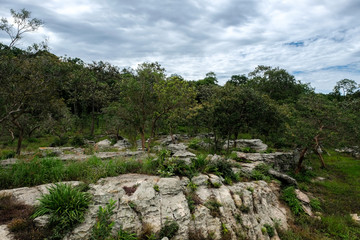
<point x="336" y="197"/>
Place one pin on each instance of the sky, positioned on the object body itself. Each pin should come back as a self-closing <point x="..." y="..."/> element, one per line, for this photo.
<point x="318" y="41"/>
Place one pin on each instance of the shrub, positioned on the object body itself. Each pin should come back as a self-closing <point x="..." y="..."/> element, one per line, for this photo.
<point x="59" y="141"/>
<point x="77" y="141"/>
<point x="103" y="226"/>
<point x="124" y="235"/>
<point x="156" y="188"/>
<point x="290" y="198"/>
<point x="169" y="229"/>
<point x="66" y="207"/>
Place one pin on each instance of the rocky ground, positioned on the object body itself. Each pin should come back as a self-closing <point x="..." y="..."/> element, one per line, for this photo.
<point x="239" y="211"/>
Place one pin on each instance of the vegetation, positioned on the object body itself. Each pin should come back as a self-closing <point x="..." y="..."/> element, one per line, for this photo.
<point x="66" y="207"/>
<point x="48" y="100"/>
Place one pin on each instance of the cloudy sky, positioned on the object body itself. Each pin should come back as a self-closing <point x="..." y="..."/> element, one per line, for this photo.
<point x="318" y="41"/>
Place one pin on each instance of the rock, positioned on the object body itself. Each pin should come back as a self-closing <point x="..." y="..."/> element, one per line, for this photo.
<point x="122" y="144"/>
<point x="5" y="233"/>
<point x="164" y="238"/>
<point x="355" y="217"/>
<point x="176" y="147"/>
<point x="216" y="158"/>
<point x="166" y="140"/>
<point x="283" y="177"/>
<point x="302" y="196"/>
<point x="254" y="203"/>
<point x="9" y="161"/>
<point x="255" y="144"/>
<point x="104" y="143"/>
<point x="41" y="221"/>
<point x="307" y="209"/>
<point x="184" y="154"/>
<point x="281" y="161"/>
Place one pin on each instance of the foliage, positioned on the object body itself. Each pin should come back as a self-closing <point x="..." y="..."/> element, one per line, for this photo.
<point x="103" y="226"/>
<point x="213" y="205"/>
<point x="289" y="196"/>
<point x="66" y="207"/>
<point x="269" y="230"/>
<point x="315" y="204"/>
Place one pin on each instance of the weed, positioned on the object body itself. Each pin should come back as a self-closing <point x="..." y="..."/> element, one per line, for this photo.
<point x="250" y="189"/>
<point x="5" y="154"/>
<point x="192" y="186"/>
<point x="238" y="218"/>
<point x="77" y="141"/>
<point x="103" y="226"/>
<point x="228" y="181"/>
<point x="244" y="209"/>
<point x="156" y="188"/>
<point x="169" y="229"/>
<point x="214" y="206"/>
<point x="66" y="207"/>
<point x="132" y="205"/>
<point x="194" y="143"/>
<point x="270" y="230"/>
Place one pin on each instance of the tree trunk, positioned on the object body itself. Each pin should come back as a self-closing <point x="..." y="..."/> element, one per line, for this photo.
<point x="317" y="146"/>
<point x="142" y="133"/>
<point x="301" y="159"/>
<point x="92" y="120"/>
<point x="20" y="139"/>
<point x="12" y="135"/>
<point x="228" y="143"/>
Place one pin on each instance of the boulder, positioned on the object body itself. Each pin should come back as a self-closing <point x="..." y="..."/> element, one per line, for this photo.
<point x="122" y="144"/>
<point x="302" y="196"/>
<point x="176" y="147"/>
<point x="104" y="143"/>
<point x="5" y="233"/>
<point x="283" y="177"/>
<point x="255" y="144"/>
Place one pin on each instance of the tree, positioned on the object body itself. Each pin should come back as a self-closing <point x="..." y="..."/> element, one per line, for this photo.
<point x="23" y="23"/>
<point x="238" y="80"/>
<point x="345" y="87"/>
<point x="277" y="83"/>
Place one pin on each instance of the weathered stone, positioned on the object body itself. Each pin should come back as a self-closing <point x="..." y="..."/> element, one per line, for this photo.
<point x="177" y="147"/>
<point x="307" y="209"/>
<point x="253" y="202"/>
<point x="184" y="154"/>
<point x="355" y="217"/>
<point x="255" y="144"/>
<point x="104" y="143"/>
<point x="41" y="221"/>
<point x="283" y="177"/>
<point x="122" y="144"/>
<point x="302" y="196"/>
<point x="5" y="233"/>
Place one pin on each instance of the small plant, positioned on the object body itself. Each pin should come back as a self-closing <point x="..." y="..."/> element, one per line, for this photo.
<point x="103" y="226"/>
<point x="269" y="230"/>
<point x="244" y="209"/>
<point x="250" y="189"/>
<point x="228" y="181"/>
<point x="192" y="186"/>
<point x="156" y="188"/>
<point x="77" y="141"/>
<point x="290" y="198"/>
<point x="169" y="229"/>
<point x="65" y="205"/>
<point x="224" y="229"/>
<point x="238" y="218"/>
<point x="5" y="154"/>
<point x="125" y="235"/>
<point x="17" y="224"/>
<point x="214" y="206"/>
<point x="132" y="205"/>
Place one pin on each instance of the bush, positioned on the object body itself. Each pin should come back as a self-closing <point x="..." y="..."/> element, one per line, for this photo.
<point x="59" y="141"/>
<point x="77" y="141"/>
<point x="66" y="207"/>
<point x="194" y="143"/>
<point x="315" y="204"/>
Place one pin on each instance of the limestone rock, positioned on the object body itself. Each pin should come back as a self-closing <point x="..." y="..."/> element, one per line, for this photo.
<point x="122" y="144"/>
<point x="302" y="196"/>
<point x="104" y="143"/>
<point x="255" y="144"/>
<point x="184" y="154"/>
<point x="177" y="147"/>
<point x="283" y="177"/>
<point x="355" y="217"/>
<point x="5" y="233"/>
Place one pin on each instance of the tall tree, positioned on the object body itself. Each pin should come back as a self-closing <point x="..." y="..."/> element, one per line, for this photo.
<point x="23" y="23"/>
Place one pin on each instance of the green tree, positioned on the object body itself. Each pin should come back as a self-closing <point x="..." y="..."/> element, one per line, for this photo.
<point x="27" y="92"/>
<point x="23" y="24"/>
<point x="277" y="83"/>
<point x="345" y="87"/>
